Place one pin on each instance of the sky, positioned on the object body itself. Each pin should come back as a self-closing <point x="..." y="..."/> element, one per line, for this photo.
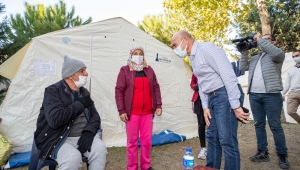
<point x="131" y="10"/>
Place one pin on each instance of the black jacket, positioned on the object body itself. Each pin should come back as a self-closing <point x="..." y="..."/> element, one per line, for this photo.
<point x="56" y="118"/>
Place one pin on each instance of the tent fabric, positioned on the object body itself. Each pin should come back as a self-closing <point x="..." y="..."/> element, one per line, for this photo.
<point x="104" y="47"/>
<point x="9" y="68"/>
<point x="243" y="80"/>
<point x="165" y="137"/>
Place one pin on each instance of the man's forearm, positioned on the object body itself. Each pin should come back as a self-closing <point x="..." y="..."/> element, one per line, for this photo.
<point x="274" y="52"/>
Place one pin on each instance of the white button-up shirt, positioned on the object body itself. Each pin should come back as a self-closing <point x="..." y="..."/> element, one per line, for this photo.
<point x="292" y="80"/>
<point x="213" y="70"/>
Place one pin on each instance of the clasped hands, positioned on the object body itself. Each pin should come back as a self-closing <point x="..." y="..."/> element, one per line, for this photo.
<point x="124" y="116"/>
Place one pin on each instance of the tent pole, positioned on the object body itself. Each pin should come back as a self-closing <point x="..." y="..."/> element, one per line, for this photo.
<point x="91" y="56"/>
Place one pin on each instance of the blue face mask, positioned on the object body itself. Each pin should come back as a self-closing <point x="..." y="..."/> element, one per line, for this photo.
<point x="297" y="60"/>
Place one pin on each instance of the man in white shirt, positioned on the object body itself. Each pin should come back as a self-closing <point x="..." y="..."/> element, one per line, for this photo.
<point x="292" y="83"/>
<point x="220" y="97"/>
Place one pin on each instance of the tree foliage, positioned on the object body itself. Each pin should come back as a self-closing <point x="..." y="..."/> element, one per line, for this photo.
<point x="3" y="37"/>
<point x="284" y="21"/>
<point x="206" y="20"/>
<point x="157" y="27"/>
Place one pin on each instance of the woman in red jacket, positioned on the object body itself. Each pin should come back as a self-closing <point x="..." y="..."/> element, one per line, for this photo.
<point x="138" y="97"/>
<point x="199" y="112"/>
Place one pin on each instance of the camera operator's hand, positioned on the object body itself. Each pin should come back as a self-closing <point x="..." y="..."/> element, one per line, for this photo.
<point x="257" y="36"/>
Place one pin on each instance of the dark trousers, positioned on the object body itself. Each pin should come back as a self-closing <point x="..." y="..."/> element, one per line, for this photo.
<point x="268" y="105"/>
<point x="201" y="122"/>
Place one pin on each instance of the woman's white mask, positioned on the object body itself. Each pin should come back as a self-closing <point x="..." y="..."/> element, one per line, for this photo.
<point x="138" y="59"/>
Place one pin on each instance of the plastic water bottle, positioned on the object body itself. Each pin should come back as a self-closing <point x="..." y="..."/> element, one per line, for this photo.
<point x="188" y="160"/>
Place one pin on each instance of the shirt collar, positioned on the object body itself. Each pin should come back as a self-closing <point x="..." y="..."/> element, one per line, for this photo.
<point x="194" y="49"/>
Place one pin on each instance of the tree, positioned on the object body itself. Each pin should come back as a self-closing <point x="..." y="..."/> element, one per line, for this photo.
<point x="157" y="27"/>
<point x="284" y="22"/>
<point x="206" y="20"/>
<point x="3" y="37"/>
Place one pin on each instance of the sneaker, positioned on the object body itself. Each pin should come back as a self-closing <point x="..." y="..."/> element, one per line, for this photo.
<point x="150" y="168"/>
<point x="261" y="156"/>
<point x="202" y="154"/>
<point x="283" y="162"/>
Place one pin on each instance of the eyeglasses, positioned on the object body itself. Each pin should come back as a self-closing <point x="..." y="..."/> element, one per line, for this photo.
<point x="296" y="56"/>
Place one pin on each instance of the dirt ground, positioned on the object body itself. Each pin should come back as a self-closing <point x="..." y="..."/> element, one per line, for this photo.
<point x="169" y="157"/>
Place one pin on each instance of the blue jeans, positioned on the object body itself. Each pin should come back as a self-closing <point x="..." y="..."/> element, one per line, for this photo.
<point x="222" y="133"/>
<point x="270" y="105"/>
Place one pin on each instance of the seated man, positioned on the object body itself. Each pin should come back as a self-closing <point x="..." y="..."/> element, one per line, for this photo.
<point x="68" y="122"/>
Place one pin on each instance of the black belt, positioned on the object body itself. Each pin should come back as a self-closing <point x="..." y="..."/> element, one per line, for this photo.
<point x="212" y="92"/>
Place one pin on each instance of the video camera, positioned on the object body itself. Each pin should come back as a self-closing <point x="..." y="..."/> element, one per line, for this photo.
<point x="245" y="43"/>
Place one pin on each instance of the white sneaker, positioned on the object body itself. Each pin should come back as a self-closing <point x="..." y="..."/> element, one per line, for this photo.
<point x="202" y="154"/>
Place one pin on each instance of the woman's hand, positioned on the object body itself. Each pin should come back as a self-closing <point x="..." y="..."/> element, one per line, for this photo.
<point x="158" y="111"/>
<point x="124" y="117"/>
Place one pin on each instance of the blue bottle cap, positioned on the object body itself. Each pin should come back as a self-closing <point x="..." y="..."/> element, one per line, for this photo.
<point x="188" y="150"/>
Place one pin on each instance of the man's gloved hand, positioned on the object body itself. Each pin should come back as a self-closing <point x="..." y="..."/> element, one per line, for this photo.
<point x="196" y="88"/>
<point x="86" y="101"/>
<point x="85" y="141"/>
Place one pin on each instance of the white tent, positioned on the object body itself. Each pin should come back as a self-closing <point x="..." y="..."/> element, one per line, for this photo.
<point x="288" y="62"/>
<point x="104" y="47"/>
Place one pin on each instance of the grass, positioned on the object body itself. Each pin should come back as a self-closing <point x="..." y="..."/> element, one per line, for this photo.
<point x="169" y="157"/>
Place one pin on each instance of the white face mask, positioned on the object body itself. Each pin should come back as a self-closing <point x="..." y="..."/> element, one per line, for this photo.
<point x="138" y="59"/>
<point x="297" y="60"/>
<point x="179" y="52"/>
<point x="81" y="82"/>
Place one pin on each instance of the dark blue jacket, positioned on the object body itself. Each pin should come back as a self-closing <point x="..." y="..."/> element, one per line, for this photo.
<point x="55" y="120"/>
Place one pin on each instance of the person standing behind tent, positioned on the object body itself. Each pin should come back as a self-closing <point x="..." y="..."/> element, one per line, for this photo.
<point x="138" y="98"/>
<point x="219" y="95"/>
<point x="68" y="122"/>
<point x="292" y="83"/>
<point x="198" y="110"/>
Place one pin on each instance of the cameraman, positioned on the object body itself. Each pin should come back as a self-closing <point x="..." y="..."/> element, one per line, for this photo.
<point x="265" y="84"/>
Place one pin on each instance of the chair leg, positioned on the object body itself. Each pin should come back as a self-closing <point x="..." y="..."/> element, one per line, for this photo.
<point x="52" y="167"/>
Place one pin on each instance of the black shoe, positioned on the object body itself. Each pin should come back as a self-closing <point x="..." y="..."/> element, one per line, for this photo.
<point x="283" y="162"/>
<point x="261" y="156"/>
<point x="150" y="168"/>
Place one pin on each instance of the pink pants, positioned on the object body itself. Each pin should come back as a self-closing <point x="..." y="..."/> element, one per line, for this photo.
<point x="139" y="125"/>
